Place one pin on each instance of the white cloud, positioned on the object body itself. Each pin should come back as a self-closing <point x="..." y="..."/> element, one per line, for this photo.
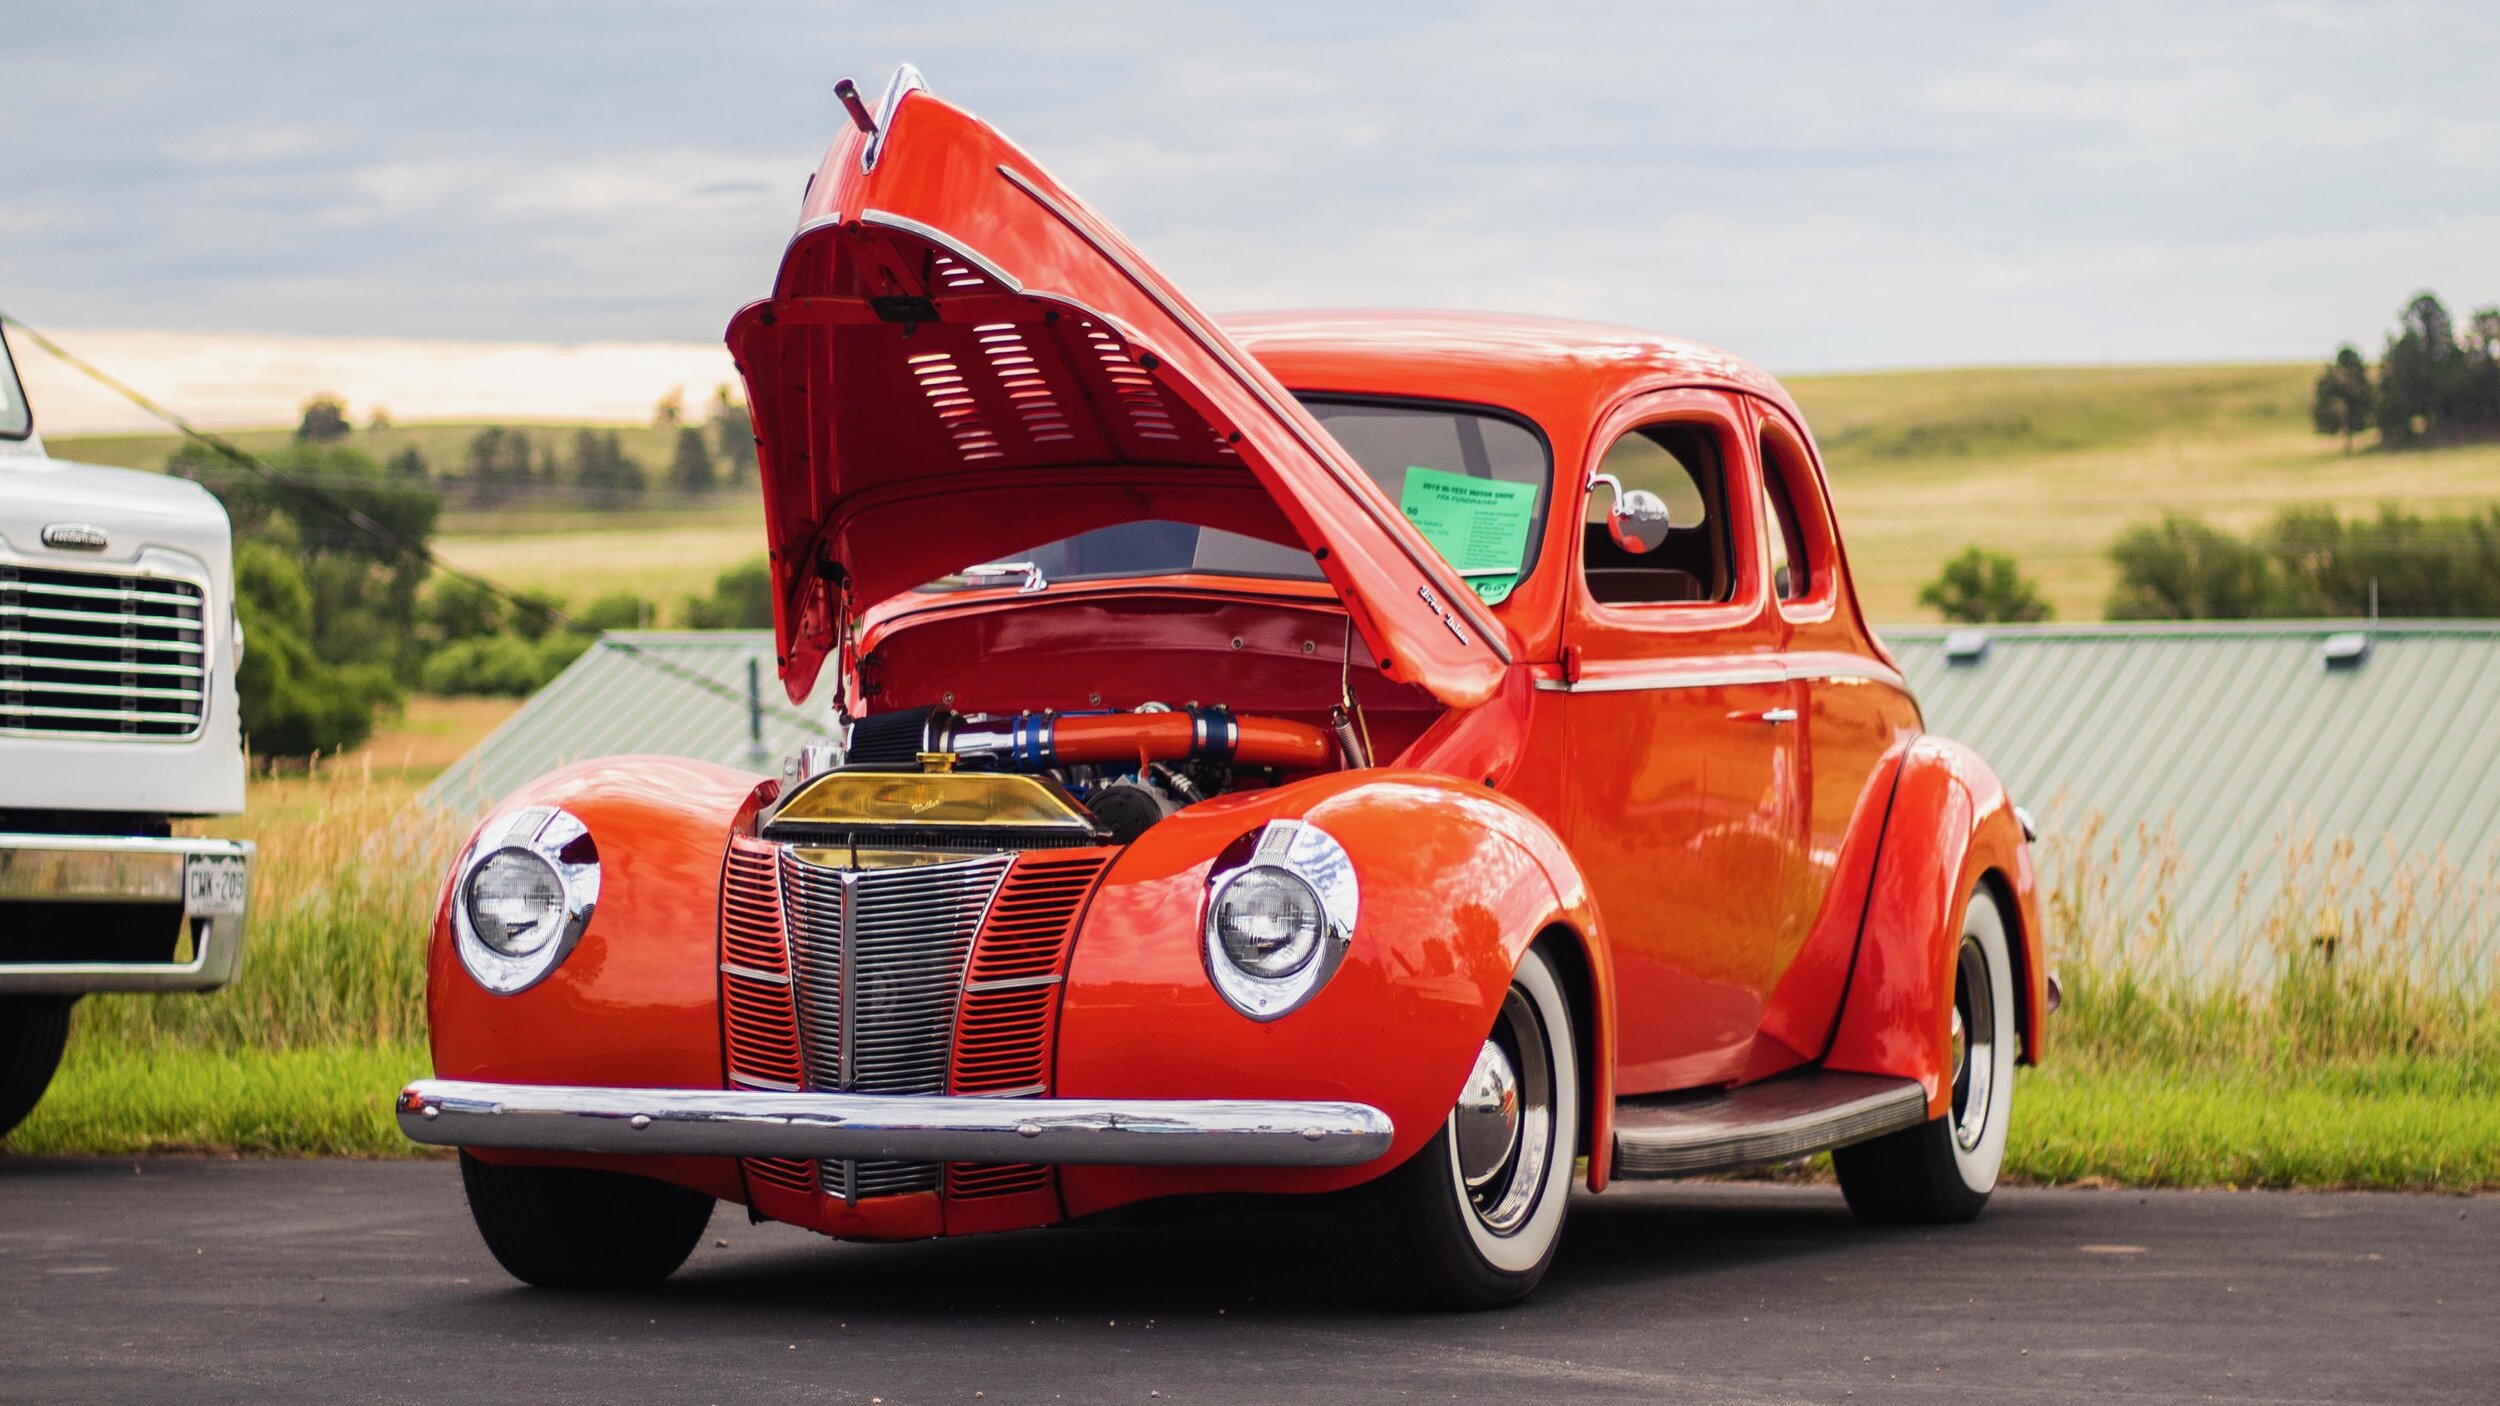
<point x="1813" y="184"/>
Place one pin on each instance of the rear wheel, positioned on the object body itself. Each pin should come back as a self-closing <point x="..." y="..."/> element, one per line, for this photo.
<point x="1472" y="1220"/>
<point x="570" y="1228"/>
<point x="1943" y="1169"/>
<point x="33" y="1031"/>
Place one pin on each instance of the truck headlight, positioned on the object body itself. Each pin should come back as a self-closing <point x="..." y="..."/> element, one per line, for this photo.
<point x="527" y="886"/>
<point x="1280" y="914"/>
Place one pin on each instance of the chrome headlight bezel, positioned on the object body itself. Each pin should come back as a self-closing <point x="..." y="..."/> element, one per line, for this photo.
<point x="557" y="838"/>
<point x="1312" y="857"/>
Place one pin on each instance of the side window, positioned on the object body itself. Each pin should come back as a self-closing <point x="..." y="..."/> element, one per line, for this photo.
<point x="1682" y="464"/>
<point x="1792" y="565"/>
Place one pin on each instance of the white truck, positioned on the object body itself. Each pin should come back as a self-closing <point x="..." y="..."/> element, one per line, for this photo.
<point x="118" y="716"/>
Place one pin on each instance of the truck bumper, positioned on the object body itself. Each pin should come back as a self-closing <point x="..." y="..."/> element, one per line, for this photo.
<point x="743" y="1123"/>
<point x="81" y="913"/>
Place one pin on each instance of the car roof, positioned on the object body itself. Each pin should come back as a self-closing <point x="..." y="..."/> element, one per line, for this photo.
<point x="1557" y="371"/>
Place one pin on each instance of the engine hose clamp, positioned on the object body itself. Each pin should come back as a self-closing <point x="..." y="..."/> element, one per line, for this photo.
<point x="1214" y="734"/>
<point x="1033" y="741"/>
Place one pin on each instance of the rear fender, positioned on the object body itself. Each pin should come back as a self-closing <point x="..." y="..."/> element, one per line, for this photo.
<point x="1951" y="829"/>
<point x="1456" y="882"/>
<point x="637" y="1002"/>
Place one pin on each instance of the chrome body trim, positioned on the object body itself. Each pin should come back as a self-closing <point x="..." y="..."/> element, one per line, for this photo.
<point x="1728" y="676"/>
<point x="863" y="1127"/>
<point x="1772" y="1121"/>
<point x="115" y="869"/>
<point x="988" y="266"/>
<point x="906" y="79"/>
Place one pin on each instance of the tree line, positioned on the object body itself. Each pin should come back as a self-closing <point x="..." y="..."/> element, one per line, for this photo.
<point x="340" y="623"/>
<point x="502" y="464"/>
<point x="2307" y="563"/>
<point x="2435" y="383"/>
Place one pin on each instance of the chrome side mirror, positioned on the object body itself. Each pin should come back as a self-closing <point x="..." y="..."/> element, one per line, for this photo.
<point x="1637" y="520"/>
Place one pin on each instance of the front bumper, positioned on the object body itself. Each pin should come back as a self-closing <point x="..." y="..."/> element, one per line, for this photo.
<point x="194" y="892"/>
<point x="740" y="1123"/>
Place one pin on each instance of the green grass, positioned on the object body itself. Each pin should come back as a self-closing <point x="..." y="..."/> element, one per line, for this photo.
<point x="329" y="1102"/>
<point x="2395" y="1125"/>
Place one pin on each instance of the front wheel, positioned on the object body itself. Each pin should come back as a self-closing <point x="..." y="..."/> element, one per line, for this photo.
<point x="1472" y="1220"/>
<point x="33" y="1032"/>
<point x="1942" y="1170"/>
<point x="571" y="1228"/>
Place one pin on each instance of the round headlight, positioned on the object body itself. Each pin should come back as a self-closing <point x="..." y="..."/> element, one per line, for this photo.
<point x="526" y="889"/>
<point x="1269" y="922"/>
<point x="1281" y="905"/>
<point x="516" y="902"/>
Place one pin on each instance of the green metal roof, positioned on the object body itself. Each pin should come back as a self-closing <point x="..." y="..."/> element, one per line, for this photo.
<point x="2241" y="743"/>
<point x="677" y="693"/>
<point x="2236" y="741"/>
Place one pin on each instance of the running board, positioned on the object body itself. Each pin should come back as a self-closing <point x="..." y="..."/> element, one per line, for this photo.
<point x="1687" y="1134"/>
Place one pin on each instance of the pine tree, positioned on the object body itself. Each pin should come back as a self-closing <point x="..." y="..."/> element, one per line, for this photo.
<point x="690" y="472"/>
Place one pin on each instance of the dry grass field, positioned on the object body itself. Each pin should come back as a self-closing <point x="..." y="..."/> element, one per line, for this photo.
<point x="2051" y="464"/>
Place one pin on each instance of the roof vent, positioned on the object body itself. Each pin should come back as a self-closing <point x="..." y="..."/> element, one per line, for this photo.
<point x="2344" y="651"/>
<point x="1965" y="646"/>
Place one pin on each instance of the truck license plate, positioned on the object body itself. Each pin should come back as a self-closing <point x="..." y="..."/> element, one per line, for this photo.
<point x="212" y="885"/>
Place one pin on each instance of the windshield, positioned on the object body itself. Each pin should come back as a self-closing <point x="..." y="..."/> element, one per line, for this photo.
<point x="1474" y="482"/>
<point x="16" y="422"/>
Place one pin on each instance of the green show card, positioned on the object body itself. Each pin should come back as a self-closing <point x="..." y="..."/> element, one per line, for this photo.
<point x="1480" y="525"/>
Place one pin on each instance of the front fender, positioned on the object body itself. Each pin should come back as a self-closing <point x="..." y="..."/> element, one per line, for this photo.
<point x="636" y="1003"/>
<point x="1951" y="829"/>
<point x="1456" y="882"/>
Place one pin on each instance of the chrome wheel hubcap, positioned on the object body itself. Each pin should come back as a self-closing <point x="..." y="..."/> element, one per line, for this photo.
<point x="1502" y="1131"/>
<point x="1974" y="1044"/>
<point x="1486" y="1121"/>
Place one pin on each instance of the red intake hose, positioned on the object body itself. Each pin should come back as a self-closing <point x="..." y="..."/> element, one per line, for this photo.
<point x="1172" y="737"/>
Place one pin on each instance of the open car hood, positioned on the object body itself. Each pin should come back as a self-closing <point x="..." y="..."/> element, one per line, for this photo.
<point x="961" y="360"/>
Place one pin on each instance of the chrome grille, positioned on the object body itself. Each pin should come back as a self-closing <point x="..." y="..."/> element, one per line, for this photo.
<point x="877" y="959"/>
<point x="102" y="653"/>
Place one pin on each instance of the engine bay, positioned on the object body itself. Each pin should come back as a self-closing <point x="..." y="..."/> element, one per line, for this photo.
<point x="1122" y="770"/>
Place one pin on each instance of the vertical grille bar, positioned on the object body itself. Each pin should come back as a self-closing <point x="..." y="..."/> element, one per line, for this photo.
<point x="877" y="968"/>
<point x="1005" y="1031"/>
<point x="759" y="1026"/>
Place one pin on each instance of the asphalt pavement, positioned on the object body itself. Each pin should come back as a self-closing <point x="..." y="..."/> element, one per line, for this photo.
<point x="205" y="1281"/>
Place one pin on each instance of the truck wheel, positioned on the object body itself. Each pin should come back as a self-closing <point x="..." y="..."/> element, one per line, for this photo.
<point x="570" y="1228"/>
<point x="1472" y="1220"/>
<point x="33" y="1030"/>
<point x="1942" y="1170"/>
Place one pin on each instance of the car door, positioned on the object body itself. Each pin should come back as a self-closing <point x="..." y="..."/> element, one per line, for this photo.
<point x="1683" y="792"/>
<point x="1855" y="713"/>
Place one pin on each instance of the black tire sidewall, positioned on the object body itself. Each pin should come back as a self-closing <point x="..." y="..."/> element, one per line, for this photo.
<point x="1433" y="1247"/>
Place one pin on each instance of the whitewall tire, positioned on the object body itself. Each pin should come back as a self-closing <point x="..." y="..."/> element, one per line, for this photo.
<point x="1473" y="1219"/>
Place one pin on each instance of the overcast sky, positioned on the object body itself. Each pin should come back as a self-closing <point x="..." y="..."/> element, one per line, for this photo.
<point x="1816" y="185"/>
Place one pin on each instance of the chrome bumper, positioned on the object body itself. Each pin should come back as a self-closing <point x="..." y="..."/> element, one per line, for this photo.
<point x="208" y="880"/>
<point x="740" y="1123"/>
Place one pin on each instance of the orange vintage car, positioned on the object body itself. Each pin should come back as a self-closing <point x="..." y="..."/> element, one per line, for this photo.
<point x="1422" y="760"/>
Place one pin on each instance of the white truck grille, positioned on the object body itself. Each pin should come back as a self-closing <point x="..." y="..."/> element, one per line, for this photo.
<point x="102" y="654"/>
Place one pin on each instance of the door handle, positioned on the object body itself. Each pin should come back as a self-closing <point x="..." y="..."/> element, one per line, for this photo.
<point x="1777" y="715"/>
